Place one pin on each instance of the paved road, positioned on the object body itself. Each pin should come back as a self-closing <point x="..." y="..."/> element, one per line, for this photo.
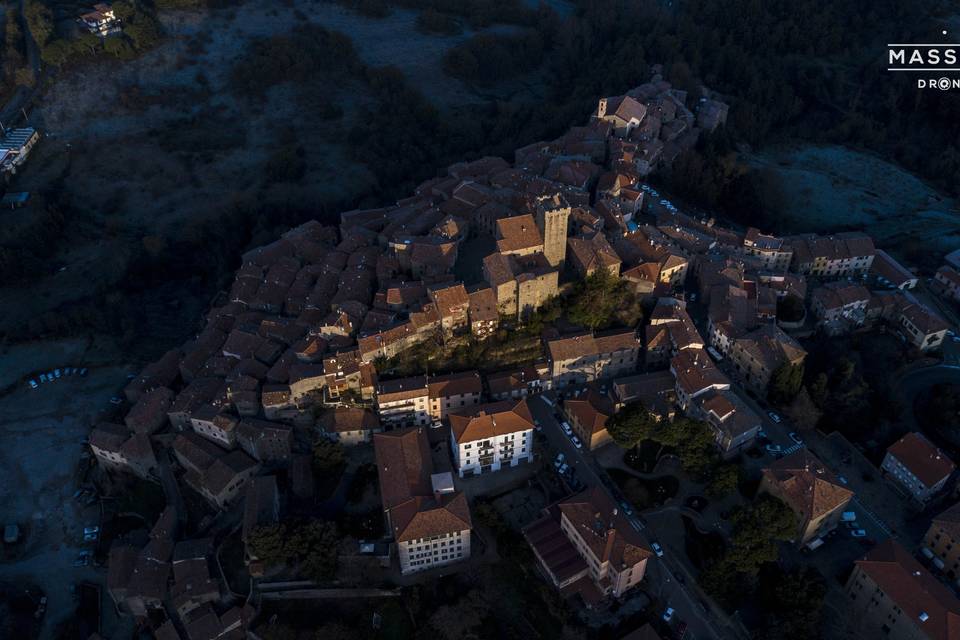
<point x="660" y="574"/>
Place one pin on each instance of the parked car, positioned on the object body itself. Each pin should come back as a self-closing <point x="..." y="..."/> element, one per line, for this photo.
<point x="566" y="428"/>
<point x="576" y="442"/>
<point x="843" y="479"/>
<point x="626" y="508"/>
<point x="851" y="524"/>
<point x="774" y="449"/>
<point x="57" y="373"/>
<point x="668" y="614"/>
<point x="43" y="377"/>
<point x="848" y="516"/>
<point x="858" y="533"/>
<point x="773" y="416"/>
<point x="793" y="436"/>
<point x="657" y="549"/>
<point x="116" y="400"/>
<point x="82" y="560"/>
<point x="83" y="371"/>
<point x="33" y="384"/>
<point x="563" y="469"/>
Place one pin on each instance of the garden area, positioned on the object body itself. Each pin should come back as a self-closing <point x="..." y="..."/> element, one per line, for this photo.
<point x="645" y="493"/>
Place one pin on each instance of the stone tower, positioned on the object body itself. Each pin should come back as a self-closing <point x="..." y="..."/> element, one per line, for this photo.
<point x="552" y="214"/>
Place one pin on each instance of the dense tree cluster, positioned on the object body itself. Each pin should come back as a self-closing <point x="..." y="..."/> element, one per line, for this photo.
<point x="757" y="531"/>
<point x="311" y="546"/>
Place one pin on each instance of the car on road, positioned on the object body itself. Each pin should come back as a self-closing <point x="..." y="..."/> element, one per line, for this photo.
<point x="668" y="614"/>
<point x="116" y="400"/>
<point x="843" y="479"/>
<point x="82" y="560"/>
<point x="43" y="377"/>
<point x="775" y="417"/>
<point x="33" y="384"/>
<point x="858" y="533"/>
<point x="83" y="371"/>
<point x="657" y="549"/>
<point x="848" y="516"/>
<point x="576" y="442"/>
<point x="626" y="508"/>
<point x="562" y="469"/>
<point x="851" y="524"/>
<point x="57" y="373"/>
<point x="566" y="428"/>
<point x="796" y="438"/>
<point x="774" y="450"/>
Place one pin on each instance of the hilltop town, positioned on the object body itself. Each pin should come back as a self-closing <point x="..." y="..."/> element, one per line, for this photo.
<point x="513" y="358"/>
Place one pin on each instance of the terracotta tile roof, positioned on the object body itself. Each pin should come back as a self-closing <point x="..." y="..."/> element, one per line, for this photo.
<point x="453" y="384"/>
<point x="626" y="108"/>
<point x="427" y="516"/>
<point x="592" y="410"/>
<point x="343" y="419"/>
<point x="807" y="485"/>
<point x="518" y="233"/>
<point x="490" y="420"/>
<point x="922" y="458"/>
<point x="451" y="300"/>
<point x="604" y="529"/>
<point x="695" y="372"/>
<point x="929" y="605"/>
<point x="403" y="464"/>
<point x="886" y="267"/>
<point x="507" y="381"/>
<point x="578" y="346"/>
<point x="402" y="389"/>
<point x="498" y="268"/>
<point x="483" y="305"/>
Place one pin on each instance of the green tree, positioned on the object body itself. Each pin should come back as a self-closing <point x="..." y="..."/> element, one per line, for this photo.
<point x="596" y="299"/>
<point x="724" y="480"/>
<point x="327" y="456"/>
<point x="631" y="425"/>
<point x="39" y="21"/>
<point x="785" y="383"/>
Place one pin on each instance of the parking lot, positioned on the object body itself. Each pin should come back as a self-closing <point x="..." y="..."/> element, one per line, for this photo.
<point x="41" y="436"/>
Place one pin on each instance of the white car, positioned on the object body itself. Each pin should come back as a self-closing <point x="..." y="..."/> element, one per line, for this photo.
<point x="858" y="533"/>
<point x="57" y="373"/>
<point x="576" y="442"/>
<point x="566" y="428"/>
<point x="657" y="549"/>
<point x="668" y="614"/>
<point x="773" y="416"/>
<point x="563" y="469"/>
<point x="33" y="384"/>
<point x="793" y="436"/>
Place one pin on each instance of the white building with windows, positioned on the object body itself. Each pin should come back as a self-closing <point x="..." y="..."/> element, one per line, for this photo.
<point x="917" y="465"/>
<point x="427" y="517"/>
<point x="404" y="403"/>
<point x="488" y="437"/>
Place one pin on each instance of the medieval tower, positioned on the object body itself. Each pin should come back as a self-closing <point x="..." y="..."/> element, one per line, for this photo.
<point x="552" y="214"/>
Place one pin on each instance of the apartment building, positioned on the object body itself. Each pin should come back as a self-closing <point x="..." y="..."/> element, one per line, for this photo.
<point x="811" y="490"/>
<point x="583" y="543"/>
<point x="349" y="425"/>
<point x="894" y="596"/>
<point x="491" y="436"/>
<point x="844" y="254"/>
<point x="404" y="402"/>
<point x="735" y="425"/>
<point x="772" y="252"/>
<point x="576" y="360"/>
<point x="918" y="466"/>
<point x="428" y="519"/>
<point x="948" y="279"/>
<point x="941" y="543"/>
<point x="759" y="353"/>
<point x="518" y="383"/>
<point x="453" y="393"/>
<point x="695" y="374"/>
<point x="587" y="412"/>
<point x="840" y="306"/>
